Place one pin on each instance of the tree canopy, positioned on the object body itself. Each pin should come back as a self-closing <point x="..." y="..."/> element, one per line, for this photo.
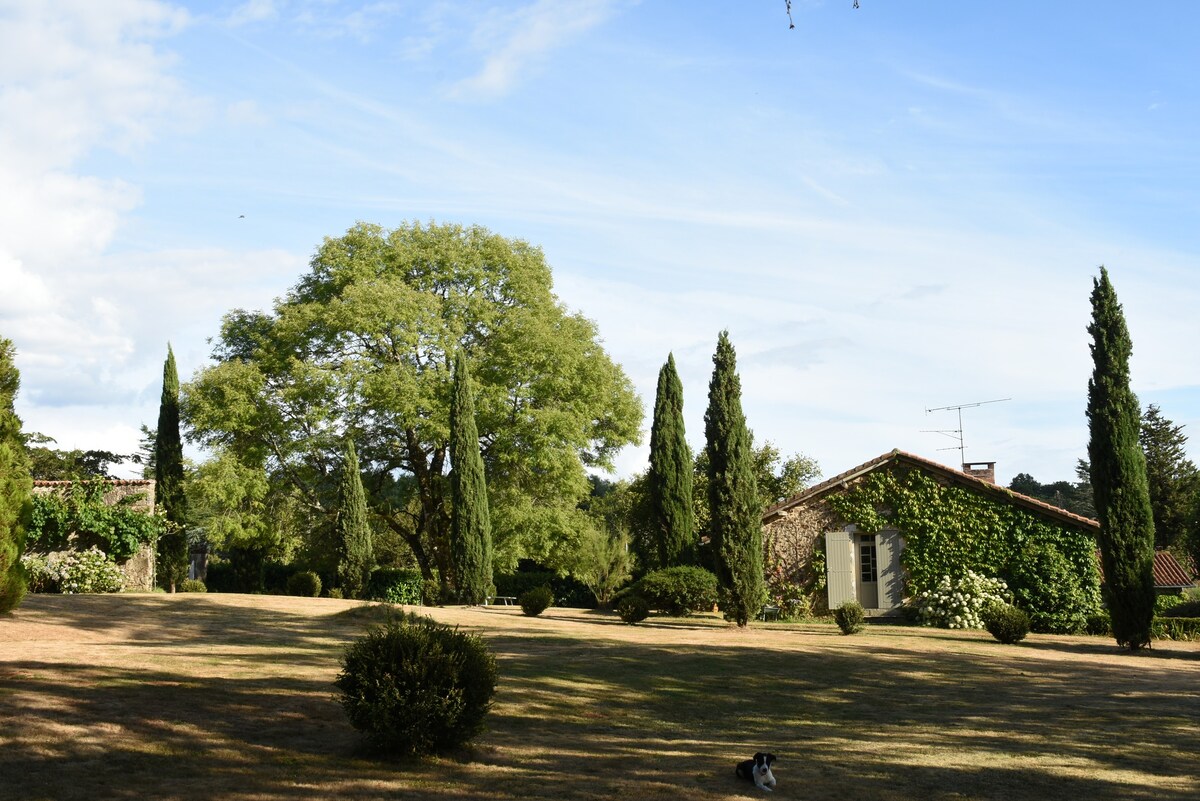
<point x="1172" y="477"/>
<point x="362" y="348"/>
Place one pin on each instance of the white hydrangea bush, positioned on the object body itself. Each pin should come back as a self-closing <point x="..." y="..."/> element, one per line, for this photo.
<point x="73" y="572"/>
<point x="959" y="603"/>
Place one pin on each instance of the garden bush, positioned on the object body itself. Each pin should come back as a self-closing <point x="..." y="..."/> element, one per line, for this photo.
<point x="1005" y="622"/>
<point x="1043" y="582"/>
<point x="1176" y="628"/>
<point x="395" y="586"/>
<point x="1183" y="609"/>
<point x="335" y="593"/>
<point x="568" y="591"/>
<point x="219" y="576"/>
<point x="850" y="617"/>
<point x="958" y="603"/>
<point x="633" y="609"/>
<point x="536" y="601"/>
<point x="192" y="585"/>
<point x="415" y="686"/>
<point x="304" y="583"/>
<point x="87" y="571"/>
<point x="1098" y="623"/>
<point x="678" y="590"/>
<point x="40" y="573"/>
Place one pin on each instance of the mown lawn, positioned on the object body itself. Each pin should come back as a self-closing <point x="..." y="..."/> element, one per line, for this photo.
<point x="230" y="697"/>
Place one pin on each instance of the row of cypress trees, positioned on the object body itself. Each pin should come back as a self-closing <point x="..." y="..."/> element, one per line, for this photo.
<point x="736" y="530"/>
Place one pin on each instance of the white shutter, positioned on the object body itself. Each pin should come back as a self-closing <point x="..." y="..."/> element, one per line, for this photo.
<point x="888" y="545"/>
<point x="839" y="566"/>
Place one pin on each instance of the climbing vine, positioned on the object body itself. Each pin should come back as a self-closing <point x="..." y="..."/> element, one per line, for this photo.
<point x="949" y="530"/>
<point x="118" y="529"/>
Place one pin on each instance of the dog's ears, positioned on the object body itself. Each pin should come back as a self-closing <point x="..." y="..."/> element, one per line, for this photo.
<point x="759" y="755"/>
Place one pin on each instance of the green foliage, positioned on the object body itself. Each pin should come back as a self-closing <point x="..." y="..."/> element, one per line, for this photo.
<point x="949" y="530"/>
<point x="669" y="479"/>
<point x="1074" y="497"/>
<point x="633" y="609"/>
<point x="1171" y="478"/>
<point x="1118" y="468"/>
<point x="304" y="583"/>
<point x="16" y="486"/>
<point x="1006" y="623"/>
<point x="417" y="687"/>
<point x="356" y="554"/>
<point x="679" y="590"/>
<point x="850" y="617"/>
<point x="192" y="585"/>
<point x="1176" y="628"/>
<point x="1099" y="624"/>
<point x="534" y="602"/>
<point x="364" y="345"/>
<point x="959" y="603"/>
<point x="470" y="521"/>
<point x="602" y="562"/>
<point x="1043" y="581"/>
<point x="734" y="508"/>
<point x="168" y="477"/>
<point x="118" y="529"/>
<point x="1177" y="606"/>
<point x="395" y="586"/>
<point x="51" y="464"/>
<point x="568" y="590"/>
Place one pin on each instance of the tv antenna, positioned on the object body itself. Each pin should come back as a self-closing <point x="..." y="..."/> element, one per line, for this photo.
<point x="957" y="433"/>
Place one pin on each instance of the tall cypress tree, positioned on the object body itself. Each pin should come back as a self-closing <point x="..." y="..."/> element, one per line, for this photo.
<point x="168" y="479"/>
<point x="470" y="522"/>
<point x="1118" y="469"/>
<point x="670" y="475"/>
<point x="735" y="515"/>
<point x="356" y="549"/>
<point x="16" y="487"/>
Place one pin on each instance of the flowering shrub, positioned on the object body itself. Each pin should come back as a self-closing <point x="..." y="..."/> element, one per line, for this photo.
<point x="78" y="571"/>
<point x="958" y="603"/>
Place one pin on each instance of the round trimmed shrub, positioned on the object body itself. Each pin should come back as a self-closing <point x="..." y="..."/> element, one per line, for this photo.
<point x="1006" y="623"/>
<point x="415" y="686"/>
<point x="633" y="609"/>
<point x="192" y="585"/>
<point x="850" y="617"/>
<point x="305" y="583"/>
<point x="678" y="591"/>
<point x="536" y="601"/>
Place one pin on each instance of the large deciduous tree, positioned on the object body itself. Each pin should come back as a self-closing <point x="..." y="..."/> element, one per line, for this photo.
<point x="16" y="486"/>
<point x="669" y="479"/>
<point x="168" y="480"/>
<point x="470" y="520"/>
<point x="735" y="514"/>
<point x="1118" y="471"/>
<point x="1172" y="477"/>
<point x="356" y="553"/>
<point x="363" y="348"/>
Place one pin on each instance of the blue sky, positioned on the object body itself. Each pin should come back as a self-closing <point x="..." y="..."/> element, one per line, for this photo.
<point x="891" y="208"/>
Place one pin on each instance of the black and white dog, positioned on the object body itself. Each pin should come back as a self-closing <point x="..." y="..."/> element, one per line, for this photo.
<point x="758" y="770"/>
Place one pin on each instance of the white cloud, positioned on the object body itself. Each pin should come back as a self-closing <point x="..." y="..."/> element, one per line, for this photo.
<point x="253" y="11"/>
<point x="513" y="41"/>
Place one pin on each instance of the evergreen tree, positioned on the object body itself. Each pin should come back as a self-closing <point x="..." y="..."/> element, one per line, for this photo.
<point x="1119" y="473"/>
<point x="16" y="487"/>
<point x="735" y="515"/>
<point x="470" y="523"/>
<point x="356" y="550"/>
<point x="168" y="479"/>
<point x="670" y="476"/>
<point x="1172" y="477"/>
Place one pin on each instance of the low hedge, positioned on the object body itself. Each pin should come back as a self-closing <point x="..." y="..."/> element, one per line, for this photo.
<point x="678" y="591"/>
<point x="395" y="586"/>
<point x="567" y="590"/>
<point x="1176" y="628"/>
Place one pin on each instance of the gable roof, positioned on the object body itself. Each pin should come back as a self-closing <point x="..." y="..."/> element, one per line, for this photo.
<point x="1168" y="573"/>
<point x="947" y="474"/>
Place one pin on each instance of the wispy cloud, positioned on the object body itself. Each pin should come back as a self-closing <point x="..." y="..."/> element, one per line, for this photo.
<point x="513" y="41"/>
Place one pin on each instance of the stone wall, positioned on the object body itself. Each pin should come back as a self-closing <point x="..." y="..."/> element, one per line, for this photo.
<point x="790" y="538"/>
<point x="138" y="570"/>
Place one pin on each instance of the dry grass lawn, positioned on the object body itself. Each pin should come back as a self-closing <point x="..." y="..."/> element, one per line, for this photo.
<point x="230" y="697"/>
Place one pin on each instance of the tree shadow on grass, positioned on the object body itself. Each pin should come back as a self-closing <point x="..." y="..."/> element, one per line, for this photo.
<point x="601" y="717"/>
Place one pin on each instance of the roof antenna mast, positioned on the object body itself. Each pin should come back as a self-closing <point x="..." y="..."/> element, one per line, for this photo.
<point x="957" y="433"/>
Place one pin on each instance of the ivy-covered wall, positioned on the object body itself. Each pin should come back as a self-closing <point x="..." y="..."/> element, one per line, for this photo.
<point x="950" y="529"/>
<point x="115" y="516"/>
